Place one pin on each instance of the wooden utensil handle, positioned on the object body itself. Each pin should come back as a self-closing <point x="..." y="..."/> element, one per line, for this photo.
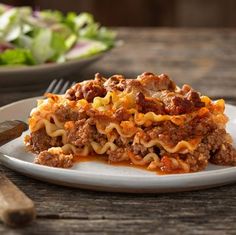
<point x="16" y="209"/>
<point x="10" y="130"/>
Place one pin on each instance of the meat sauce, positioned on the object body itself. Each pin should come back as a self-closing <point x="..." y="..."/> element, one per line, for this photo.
<point x="103" y="159"/>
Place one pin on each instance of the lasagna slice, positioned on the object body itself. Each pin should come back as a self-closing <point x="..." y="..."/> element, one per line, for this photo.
<point x="147" y="121"/>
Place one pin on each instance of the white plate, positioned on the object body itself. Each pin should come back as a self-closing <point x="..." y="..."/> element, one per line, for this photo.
<point x="22" y="75"/>
<point x="99" y="176"/>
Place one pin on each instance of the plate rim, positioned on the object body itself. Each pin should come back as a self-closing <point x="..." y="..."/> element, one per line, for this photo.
<point x="28" y="68"/>
<point x="20" y="101"/>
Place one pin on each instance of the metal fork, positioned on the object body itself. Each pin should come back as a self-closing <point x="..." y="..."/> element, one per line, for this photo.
<point x="59" y="86"/>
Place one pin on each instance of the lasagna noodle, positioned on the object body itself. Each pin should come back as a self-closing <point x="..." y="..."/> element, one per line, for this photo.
<point x="181" y="147"/>
<point x="125" y="133"/>
<point x="68" y="148"/>
<point x="152" y="160"/>
<point x="53" y="130"/>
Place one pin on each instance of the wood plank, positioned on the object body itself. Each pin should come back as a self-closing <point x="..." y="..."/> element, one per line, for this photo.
<point x="170" y="225"/>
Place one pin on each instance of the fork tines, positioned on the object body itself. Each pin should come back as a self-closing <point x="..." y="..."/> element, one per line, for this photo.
<point x="59" y="86"/>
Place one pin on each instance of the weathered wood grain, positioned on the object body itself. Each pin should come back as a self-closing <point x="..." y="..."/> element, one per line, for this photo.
<point x="204" y="58"/>
<point x="183" y="225"/>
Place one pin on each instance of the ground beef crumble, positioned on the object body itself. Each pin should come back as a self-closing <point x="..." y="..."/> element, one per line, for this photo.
<point x="81" y="133"/>
<point x="88" y="90"/>
<point x="156" y="82"/>
<point x="139" y="149"/>
<point x="177" y="104"/>
<point x="214" y="148"/>
<point x="118" y="155"/>
<point x="122" y="114"/>
<point x="115" y="82"/>
<point x="224" y="155"/>
<point x="65" y="113"/>
<point x="215" y="139"/>
<point x="170" y="133"/>
<point x="54" y="160"/>
<point x="145" y="104"/>
<point x="99" y="138"/>
<point x="39" y="141"/>
<point x="197" y="160"/>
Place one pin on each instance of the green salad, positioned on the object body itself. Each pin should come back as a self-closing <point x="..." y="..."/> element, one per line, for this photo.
<point x="29" y="37"/>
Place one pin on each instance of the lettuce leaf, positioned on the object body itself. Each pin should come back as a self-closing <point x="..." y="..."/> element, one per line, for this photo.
<point x="58" y="45"/>
<point x="85" y="48"/>
<point x="86" y="27"/>
<point x="11" y="24"/>
<point x="84" y="19"/>
<point x="48" y="46"/>
<point x="24" y="41"/>
<point x="16" y="56"/>
<point x="69" y="20"/>
<point x="41" y="46"/>
<point x="49" y="16"/>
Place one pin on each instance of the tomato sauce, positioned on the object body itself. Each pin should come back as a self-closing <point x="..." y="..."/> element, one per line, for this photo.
<point x="103" y="159"/>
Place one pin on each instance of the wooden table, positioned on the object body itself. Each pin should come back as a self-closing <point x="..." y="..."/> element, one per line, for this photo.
<point x="204" y="58"/>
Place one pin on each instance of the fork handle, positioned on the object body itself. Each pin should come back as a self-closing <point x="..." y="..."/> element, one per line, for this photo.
<point x="16" y="209"/>
<point x="11" y="129"/>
